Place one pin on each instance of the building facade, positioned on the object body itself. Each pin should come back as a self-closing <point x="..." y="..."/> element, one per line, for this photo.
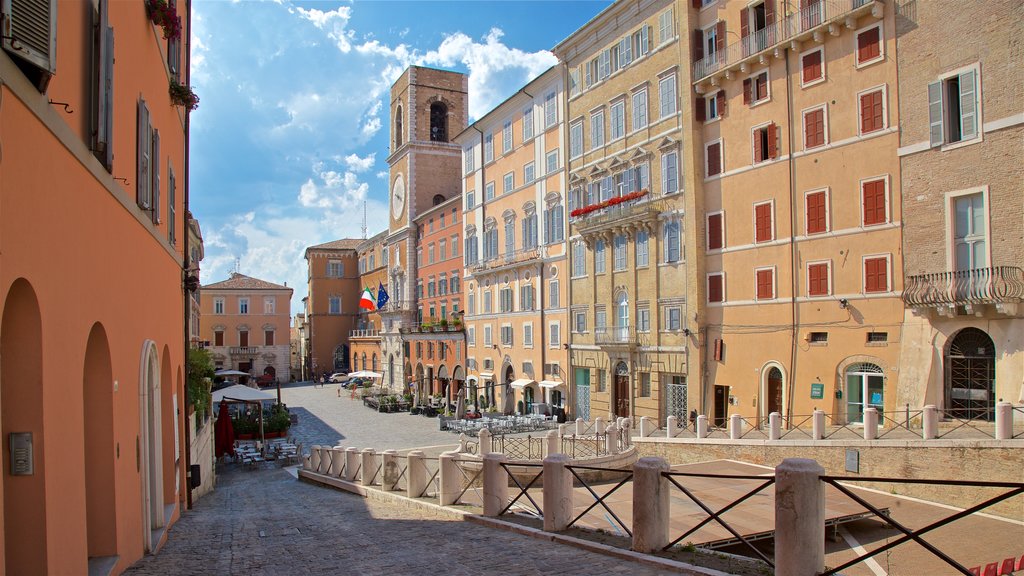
<point x="247" y="321"/>
<point x="516" y="288"/>
<point x="961" y="143"/>
<point x="630" y="298"/>
<point x="93" y="325"/>
<point x="364" y="339"/>
<point x="298" y="347"/>
<point x="332" y="307"/>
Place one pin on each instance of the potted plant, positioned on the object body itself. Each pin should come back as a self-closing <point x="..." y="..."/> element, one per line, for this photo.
<point x="182" y="95"/>
<point x="443" y="323"/>
<point x="164" y="15"/>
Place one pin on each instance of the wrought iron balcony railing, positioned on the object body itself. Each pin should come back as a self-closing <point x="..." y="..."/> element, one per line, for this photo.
<point x="243" y="350"/>
<point x="616" y="336"/>
<point x="508" y="259"/>
<point x="997" y="285"/>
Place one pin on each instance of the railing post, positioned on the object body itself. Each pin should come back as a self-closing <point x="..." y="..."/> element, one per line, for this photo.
<point x="463" y="440"/>
<point x="368" y="466"/>
<point x="389" y="470"/>
<point x="646" y="426"/>
<point x="495" y="484"/>
<point x="598" y="425"/>
<point x="485" y="441"/>
<point x="651" y="493"/>
<point x="774" y="426"/>
<point x="450" y="478"/>
<point x="579" y="426"/>
<point x="929" y="423"/>
<point x="735" y="426"/>
<point x="1004" y="421"/>
<point x="563" y="429"/>
<point x="351" y="463"/>
<point x="799" y="518"/>
<point x="557" y="493"/>
<point x="611" y="439"/>
<point x="551" y="443"/>
<point x="870" y="423"/>
<point x="337" y="461"/>
<point x="625" y="434"/>
<point x="671" y="426"/>
<point x="314" y="458"/>
<point x="702" y="426"/>
<point x="818" y="425"/>
<point x="416" y="473"/>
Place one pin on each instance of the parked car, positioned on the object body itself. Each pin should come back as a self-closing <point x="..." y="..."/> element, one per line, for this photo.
<point x="339" y="377"/>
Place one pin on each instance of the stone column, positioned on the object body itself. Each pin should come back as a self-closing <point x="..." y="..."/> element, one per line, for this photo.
<point x="368" y="466"/>
<point x="551" y="443"/>
<point x="463" y="440"/>
<point x="702" y="426"/>
<point x="611" y="439"/>
<point x="495" y="484"/>
<point x="563" y="429"/>
<point x="416" y="473"/>
<point x="599" y="425"/>
<point x="930" y="423"/>
<point x="735" y="426"/>
<point x="450" y="478"/>
<point x="351" y="463"/>
<point x="799" y="518"/>
<point x="650" y="505"/>
<point x="579" y="426"/>
<point x="818" y="424"/>
<point x="337" y="461"/>
<point x="870" y="423"/>
<point x="671" y="426"/>
<point x="557" y="493"/>
<point x="314" y="458"/>
<point x="1004" y="421"/>
<point x="774" y="426"/>
<point x="485" y="441"/>
<point x="390" y="470"/>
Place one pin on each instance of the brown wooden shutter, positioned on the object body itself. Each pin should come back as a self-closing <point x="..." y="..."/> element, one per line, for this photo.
<point x="769" y="18"/>
<point x="744" y="23"/>
<point x="773" y="147"/>
<point x="746" y="91"/>
<point x="697" y="4"/>
<point x="874" y="202"/>
<point x="720" y="37"/>
<point x="817" y="279"/>
<point x="815" y="213"/>
<point x="243" y="338"/>
<point x="721" y="101"/>
<point x="719" y="349"/>
<point x="714" y="159"/>
<point x="715" y="288"/>
<point x="762" y="86"/>
<point x="715" y="240"/>
<point x="763" y="223"/>
<point x="698" y="44"/>
<point x="868" y="45"/>
<point x="866" y="120"/>
<point x="875" y="275"/>
<point x="700" y="109"/>
<point x="155" y="167"/>
<point x="758" y="150"/>
<point x="764" y="285"/>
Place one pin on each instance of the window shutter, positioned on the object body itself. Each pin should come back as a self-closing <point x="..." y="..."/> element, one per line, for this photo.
<point x="744" y="24"/>
<point x="143" y="143"/>
<point x="815" y="213"/>
<point x="30" y="33"/>
<point x="866" y="122"/>
<point x="769" y="12"/>
<point x="698" y="43"/>
<point x="155" y="171"/>
<point x="764" y="284"/>
<point x="773" y="147"/>
<point x="720" y="36"/>
<point x="874" y="202"/>
<point x="746" y="91"/>
<point x="105" y="62"/>
<point x="935" y="134"/>
<point x="697" y="4"/>
<point x="715" y="288"/>
<point x="715" y="232"/>
<point x="721" y="101"/>
<point x="763" y="222"/>
<point x="968" y="106"/>
<point x="758" y="152"/>
<point x="699" y="109"/>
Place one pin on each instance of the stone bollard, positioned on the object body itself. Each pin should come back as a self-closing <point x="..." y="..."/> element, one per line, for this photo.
<point x="390" y="470"/>
<point x="671" y="426"/>
<point x="368" y="467"/>
<point x="485" y="441"/>
<point x="551" y="443"/>
<point x="611" y="439"/>
<point x="774" y="426"/>
<point x="1004" y="421"/>
<point x="557" y="493"/>
<point x="702" y="426"/>
<point x="314" y="458"/>
<point x="735" y="426"/>
<point x="416" y="473"/>
<point x="450" y="478"/>
<point x="599" y="425"/>
<point x="563" y="429"/>
<point x="870" y="423"/>
<point x="495" y="484"/>
<point x="818" y="425"/>
<point x="351" y="463"/>
<point x="463" y="440"/>
<point x="579" y="426"/>
<point x="650" y="505"/>
<point x="929" y="423"/>
<point x="799" y="518"/>
<point x="337" y="461"/>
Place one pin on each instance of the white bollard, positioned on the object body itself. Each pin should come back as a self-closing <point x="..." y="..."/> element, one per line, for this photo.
<point x="870" y="423"/>
<point x="818" y="425"/>
<point x="799" y="518"/>
<point x="774" y="426"/>
<point x="495" y="484"/>
<point x="563" y="429"/>
<point x="485" y="441"/>
<point x="671" y="426"/>
<point x="557" y="493"/>
<point x="702" y="426"/>
<point x="314" y="458"/>
<point x="337" y="461"/>
<point x="1004" y="421"/>
<point x="599" y="425"/>
<point x="390" y="470"/>
<point x="351" y="463"/>
<point x="368" y="466"/>
<point x="551" y="443"/>
<point x="463" y="440"/>
<point x="450" y="478"/>
<point x="650" y="505"/>
<point x="735" y="426"/>
<point x="416" y="473"/>
<point x="611" y="439"/>
<point x="930" y="423"/>
<point x="580" y="424"/>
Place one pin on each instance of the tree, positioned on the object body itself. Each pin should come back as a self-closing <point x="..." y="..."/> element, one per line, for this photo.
<point x="200" y="372"/>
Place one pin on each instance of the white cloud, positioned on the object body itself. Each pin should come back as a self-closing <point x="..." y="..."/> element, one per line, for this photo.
<point x="372" y="122"/>
<point x="333" y="189"/>
<point x="357" y="164"/>
<point x="334" y="22"/>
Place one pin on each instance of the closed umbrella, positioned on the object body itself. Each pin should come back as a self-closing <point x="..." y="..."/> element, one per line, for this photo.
<point x="460" y="406"/>
<point x="509" y="406"/>
<point x="224" y="433"/>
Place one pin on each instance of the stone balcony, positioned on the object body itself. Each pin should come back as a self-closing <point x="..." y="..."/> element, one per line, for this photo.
<point x="244" y="350"/>
<point x="999" y="286"/>
<point x="627" y="217"/>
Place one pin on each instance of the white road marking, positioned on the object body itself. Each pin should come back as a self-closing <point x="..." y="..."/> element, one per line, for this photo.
<point x="856" y="547"/>
<point x="936" y="504"/>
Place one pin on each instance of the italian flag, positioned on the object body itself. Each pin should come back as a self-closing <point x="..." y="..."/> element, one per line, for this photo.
<point x="367" y="301"/>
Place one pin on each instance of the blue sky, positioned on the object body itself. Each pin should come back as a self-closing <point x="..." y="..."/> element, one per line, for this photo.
<point x="290" y="137"/>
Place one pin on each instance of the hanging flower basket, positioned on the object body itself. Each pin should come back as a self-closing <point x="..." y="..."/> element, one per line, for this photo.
<point x="182" y="95"/>
<point x="164" y="15"/>
<point x="609" y="202"/>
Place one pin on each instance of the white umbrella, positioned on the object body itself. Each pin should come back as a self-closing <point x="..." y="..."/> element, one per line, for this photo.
<point x="242" y="393"/>
<point x="230" y="373"/>
<point x="460" y="407"/>
<point x="365" y="374"/>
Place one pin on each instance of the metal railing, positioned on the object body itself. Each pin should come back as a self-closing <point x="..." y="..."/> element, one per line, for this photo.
<point x="524" y="490"/>
<point x="994" y="285"/>
<point x="366" y="333"/>
<point x="905" y="420"/>
<point x="507" y="259"/>
<point x="472" y="480"/>
<point x="244" y="350"/>
<point x="617" y="335"/>
<point x="966" y="418"/>
<point x="600" y="500"/>
<point x="1013" y="418"/>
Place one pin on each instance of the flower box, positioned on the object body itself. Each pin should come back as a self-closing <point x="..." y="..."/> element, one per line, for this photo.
<point x="613" y="201"/>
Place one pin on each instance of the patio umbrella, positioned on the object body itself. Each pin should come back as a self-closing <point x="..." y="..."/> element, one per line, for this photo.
<point x="224" y="433"/>
<point x="230" y="373"/>
<point x="509" y="406"/>
<point x="460" y="406"/>
<point x="365" y="374"/>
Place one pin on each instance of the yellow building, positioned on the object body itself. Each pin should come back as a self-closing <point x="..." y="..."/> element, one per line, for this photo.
<point x="516" y="288"/>
<point x="332" y="304"/>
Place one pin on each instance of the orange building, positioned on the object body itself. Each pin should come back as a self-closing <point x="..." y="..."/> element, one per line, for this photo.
<point x="92" y="256"/>
<point x="364" y="338"/>
<point x="332" y="307"/>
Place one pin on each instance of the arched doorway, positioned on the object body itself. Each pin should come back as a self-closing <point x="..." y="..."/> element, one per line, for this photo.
<point x="621" y="399"/>
<point x="341" y="358"/>
<point x="458" y="380"/>
<point x="865" y="387"/>
<point x="419" y="382"/>
<point x="773" y="391"/>
<point x="970" y="375"/>
<point x="98" y="435"/>
<point x="151" y="464"/>
<point x="442" y="380"/>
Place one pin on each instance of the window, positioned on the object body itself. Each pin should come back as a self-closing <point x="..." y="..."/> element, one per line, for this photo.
<point x="765" y="143"/>
<point x="243" y="338"/>
<point x="619" y="252"/>
<point x="172" y="188"/>
<point x="645" y="384"/>
<point x="673" y="241"/>
<point x="576" y="140"/>
<point x="470" y="256"/>
<point x="527" y="123"/>
<point x="643" y="319"/>
<point x="430" y="254"/>
<point x="876" y="274"/>
<point x="528" y="334"/>
<point x="714" y="106"/>
<point x="488" y="191"/>
<point x="218" y="305"/>
<point x="430" y="224"/>
<point x="490" y="244"/>
<point x="970" y="239"/>
<point x="579" y="322"/>
<point x="814" y="128"/>
<point x="604" y="67"/>
<point x="673" y="317"/>
<point x="438" y="124"/>
<point x="530" y="231"/>
<point x="818" y="279"/>
<point x="765" y="282"/>
<point x="670" y="173"/>
<point x="597" y="130"/>
<point x="872" y="111"/>
<point x="642" y="249"/>
<point x="817" y="337"/>
<point x="618" y="125"/>
<point x="488" y="148"/>
<point x="471" y="335"/>
<point x="526" y="297"/>
<point x="103" y="47"/>
<point x="579" y="262"/>
<point x="268" y="337"/>
<point x="625" y="51"/>
<point x="709" y="42"/>
<point x="529" y="173"/>
<point x="666" y="27"/>
<point x="554" y="224"/>
<point x="442" y="250"/>
<point x="877" y="337"/>
<point x="467" y="157"/>
<point x="454" y="245"/>
<point x="268" y="305"/>
<point x="506" y="335"/>
<point x="488" y="341"/>
<point x="510" y="237"/>
<point x="243" y="305"/>
<point x="453" y="287"/>
<point x="550" y="110"/>
<point x="600" y="321"/>
<point x="667" y="96"/>
<point x="218" y="337"/>
<point x="875" y="202"/>
<point x="869" y="45"/>
<point x="639" y="109"/>
<point x="716" y="288"/>
<point x="755" y="89"/>
<point x="601" y="377"/>
<point x="713" y="158"/>
<point x="506" y="137"/>
<point x="508" y="182"/>
<point x="764" y="225"/>
<point x="144" y="143"/>
<point x="471" y="304"/>
<point x="716" y="232"/>
<point x="440" y="224"/>
<point x="953" y="109"/>
<point x="812" y="67"/>
<point x="817" y="212"/>
<point x="334" y="305"/>
<point x="335" y="269"/>
<point x="487" y="301"/>
<point x="470" y="199"/>
<point x="555" y="340"/>
<point x="553" y="294"/>
<point x="551" y="162"/>
<point x="505" y="300"/>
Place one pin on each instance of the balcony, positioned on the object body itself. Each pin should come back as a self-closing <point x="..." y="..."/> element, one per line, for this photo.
<point x="366" y="333"/>
<point x="508" y="260"/>
<point x="816" y="19"/>
<point x="397" y="306"/>
<point x="244" y="350"/>
<point x="641" y="213"/>
<point x="617" y="336"/>
<point x="1002" y="286"/>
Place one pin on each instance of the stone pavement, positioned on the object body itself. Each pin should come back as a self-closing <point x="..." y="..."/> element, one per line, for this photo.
<point x="265" y="522"/>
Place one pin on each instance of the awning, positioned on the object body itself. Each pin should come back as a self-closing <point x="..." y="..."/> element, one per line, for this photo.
<point x="241" y="393"/>
<point x="486" y="375"/>
<point x="522" y="383"/>
<point x="550" y="384"/>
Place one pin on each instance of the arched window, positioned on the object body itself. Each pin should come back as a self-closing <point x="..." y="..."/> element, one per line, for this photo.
<point x="398" y="128"/>
<point x="375" y="362"/>
<point x="865" y="388"/>
<point x="438" y="122"/>
<point x="438" y="198"/>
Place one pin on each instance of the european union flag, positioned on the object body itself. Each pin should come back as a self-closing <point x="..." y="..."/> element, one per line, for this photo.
<point x="382" y="296"/>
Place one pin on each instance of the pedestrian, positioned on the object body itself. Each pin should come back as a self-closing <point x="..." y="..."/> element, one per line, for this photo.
<point x="693" y="419"/>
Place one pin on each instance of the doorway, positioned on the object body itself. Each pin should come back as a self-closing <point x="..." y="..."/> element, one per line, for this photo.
<point x="970" y="375"/>
<point x="721" y="406"/>
<point x="621" y="398"/>
<point x="865" y="388"/>
<point x="774" y="393"/>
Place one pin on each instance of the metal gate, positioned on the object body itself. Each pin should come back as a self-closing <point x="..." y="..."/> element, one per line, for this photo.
<point x="676" y="400"/>
<point x="583" y="402"/>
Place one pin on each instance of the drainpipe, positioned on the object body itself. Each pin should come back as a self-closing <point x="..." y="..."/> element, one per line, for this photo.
<point x="793" y="258"/>
<point x="185" y="261"/>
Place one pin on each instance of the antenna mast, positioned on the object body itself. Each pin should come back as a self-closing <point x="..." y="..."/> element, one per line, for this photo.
<point x="364" y="219"/>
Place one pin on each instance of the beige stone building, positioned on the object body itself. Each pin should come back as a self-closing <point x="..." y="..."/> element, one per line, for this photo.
<point x="961" y="148"/>
<point x="332" y="305"/>
<point x="796" y="105"/>
<point x="364" y="338"/>
<point x="516" y="287"/>
<point x="631" y="350"/>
